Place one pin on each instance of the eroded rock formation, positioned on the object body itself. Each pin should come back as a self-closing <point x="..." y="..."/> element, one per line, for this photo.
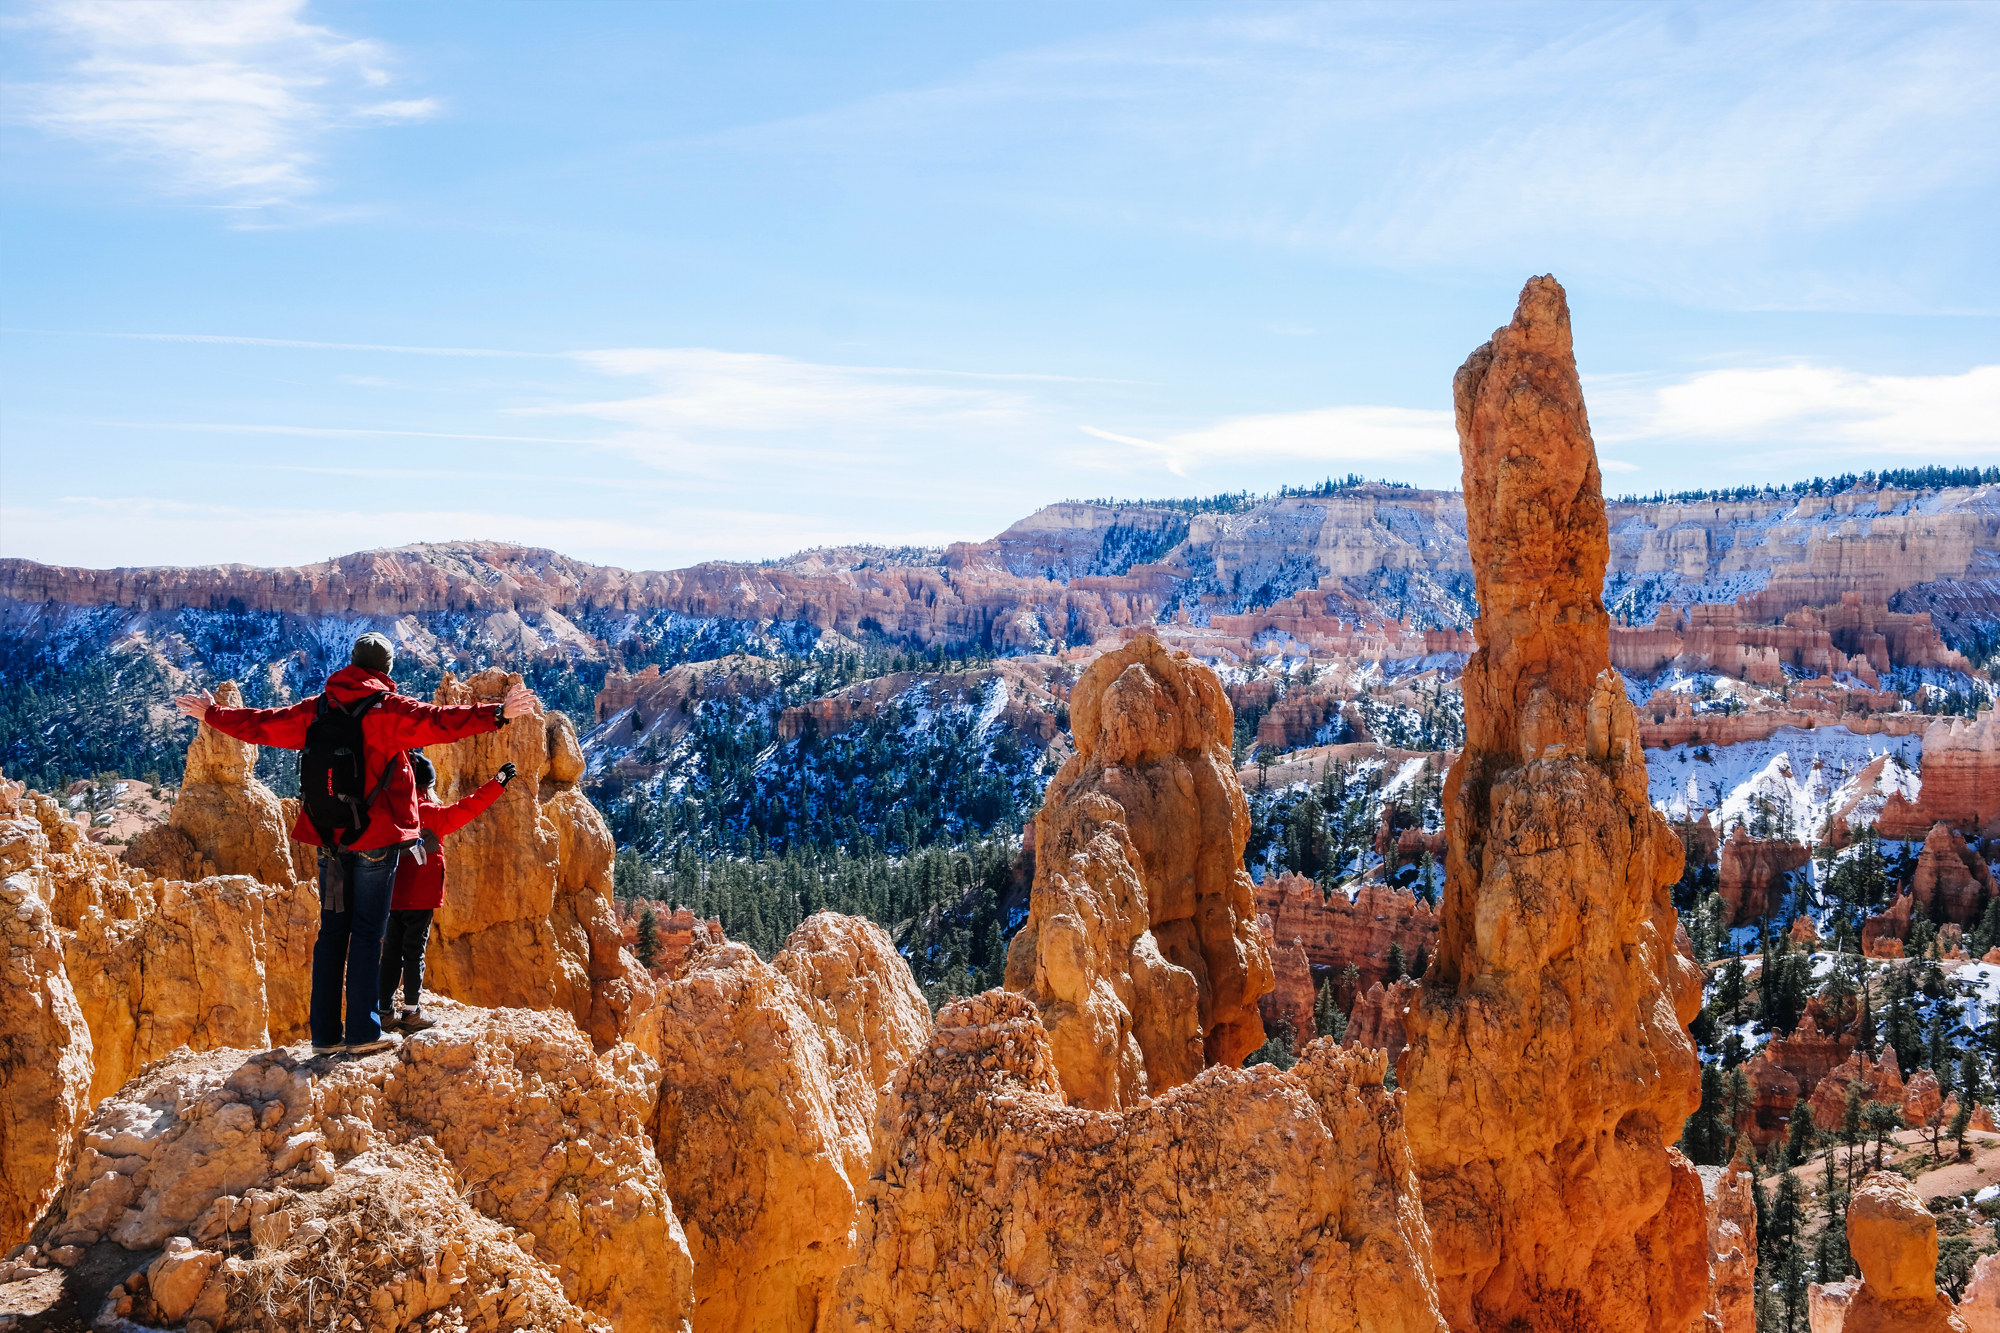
<point x="1883" y="933"/>
<point x="771" y="1079"/>
<point x="116" y="969"/>
<point x="528" y="919"/>
<point x="1290" y="1000"/>
<point x="1961" y="782"/>
<point x="1141" y="948"/>
<point x="1247" y="1199"/>
<point x="1953" y="875"/>
<point x="1752" y="874"/>
<point x="493" y="1167"/>
<point x="1881" y="1080"/>
<point x="1549" y="1067"/>
<point x="1732" y="1250"/>
<point x="1337" y="932"/>
<point x="44" y="1056"/>
<point x="1376" y="1020"/>
<point x="1893" y="1239"/>
<point x="224" y="821"/>
<point x="1774" y="1092"/>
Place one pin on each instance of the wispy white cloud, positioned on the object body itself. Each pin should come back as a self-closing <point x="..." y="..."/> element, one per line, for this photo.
<point x="226" y="99"/>
<point x="710" y="409"/>
<point x="1325" y="437"/>
<point x="1801" y="412"/>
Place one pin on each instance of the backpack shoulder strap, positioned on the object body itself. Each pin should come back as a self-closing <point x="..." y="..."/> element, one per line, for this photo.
<point x="382" y="783"/>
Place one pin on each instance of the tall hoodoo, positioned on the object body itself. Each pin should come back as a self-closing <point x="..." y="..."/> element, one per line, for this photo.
<point x="1548" y="1067"/>
<point x="1141" y="948"/>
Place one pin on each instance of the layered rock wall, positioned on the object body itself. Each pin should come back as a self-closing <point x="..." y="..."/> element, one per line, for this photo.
<point x="1141" y="948"/>
<point x="1549" y="1067"/>
<point x="1961" y="782"/>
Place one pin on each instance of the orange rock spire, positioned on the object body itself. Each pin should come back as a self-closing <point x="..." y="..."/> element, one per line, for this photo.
<point x="1141" y="949"/>
<point x="1548" y="1067"/>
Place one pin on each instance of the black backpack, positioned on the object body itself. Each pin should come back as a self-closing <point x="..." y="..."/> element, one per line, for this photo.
<point x="332" y="780"/>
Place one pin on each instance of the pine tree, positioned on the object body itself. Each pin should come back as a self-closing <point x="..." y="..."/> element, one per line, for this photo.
<point x="1421" y="964"/>
<point x="1328" y="1021"/>
<point x="1730" y="993"/>
<point x="1395" y="964"/>
<point x="649" y="937"/>
<point x="1799" y="1139"/>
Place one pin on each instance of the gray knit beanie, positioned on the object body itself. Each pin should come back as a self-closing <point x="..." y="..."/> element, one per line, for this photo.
<point x="374" y="652"/>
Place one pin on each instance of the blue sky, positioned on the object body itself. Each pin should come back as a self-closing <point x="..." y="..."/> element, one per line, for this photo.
<point x="657" y="283"/>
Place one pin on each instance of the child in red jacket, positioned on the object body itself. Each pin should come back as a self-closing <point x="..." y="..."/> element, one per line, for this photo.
<point x="420" y="890"/>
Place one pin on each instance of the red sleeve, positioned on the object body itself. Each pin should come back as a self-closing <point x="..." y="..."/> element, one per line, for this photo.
<point x="406" y="724"/>
<point x="280" y="728"/>
<point x="451" y="818"/>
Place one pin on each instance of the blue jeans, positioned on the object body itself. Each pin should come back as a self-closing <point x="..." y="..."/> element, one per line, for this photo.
<point x="349" y="948"/>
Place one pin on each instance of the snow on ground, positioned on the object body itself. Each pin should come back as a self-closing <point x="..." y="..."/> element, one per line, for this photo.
<point x="1803" y="774"/>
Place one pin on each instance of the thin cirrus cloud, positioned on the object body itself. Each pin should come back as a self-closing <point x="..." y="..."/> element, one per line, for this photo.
<point x="1330" y="436"/>
<point x="227" y="101"/>
<point x="708" y="408"/>
<point x="1699" y="152"/>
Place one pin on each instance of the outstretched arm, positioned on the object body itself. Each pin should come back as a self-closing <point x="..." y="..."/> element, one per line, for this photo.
<point x="451" y="818"/>
<point x="412" y="723"/>
<point x="282" y="728"/>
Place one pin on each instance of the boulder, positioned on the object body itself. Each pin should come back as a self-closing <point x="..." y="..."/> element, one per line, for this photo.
<point x="1893" y="1239"/>
<point x="1251" y="1199"/>
<point x="772" y="1075"/>
<point x="1549" y="1068"/>
<point x="1141" y="949"/>
<point x="528" y="919"/>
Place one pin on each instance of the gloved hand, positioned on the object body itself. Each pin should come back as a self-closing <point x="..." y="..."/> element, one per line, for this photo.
<point x="505" y="775"/>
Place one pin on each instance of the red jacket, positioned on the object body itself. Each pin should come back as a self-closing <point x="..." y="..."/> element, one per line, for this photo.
<point x="422" y="886"/>
<point x="396" y="724"/>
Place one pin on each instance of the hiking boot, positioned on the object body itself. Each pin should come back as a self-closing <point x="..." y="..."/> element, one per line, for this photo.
<point x="335" y="1049"/>
<point x="368" y="1047"/>
<point x="413" y="1020"/>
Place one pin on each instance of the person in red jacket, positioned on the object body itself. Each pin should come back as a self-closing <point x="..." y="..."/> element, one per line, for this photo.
<point x="420" y="890"/>
<point x="355" y="878"/>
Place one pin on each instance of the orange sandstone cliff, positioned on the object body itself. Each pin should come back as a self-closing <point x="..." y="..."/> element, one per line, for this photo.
<point x="1141" y="949"/>
<point x="1549" y="1067"/>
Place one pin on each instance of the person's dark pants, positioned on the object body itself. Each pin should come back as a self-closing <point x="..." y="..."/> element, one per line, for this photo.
<point x="349" y="948"/>
<point x="403" y="955"/>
